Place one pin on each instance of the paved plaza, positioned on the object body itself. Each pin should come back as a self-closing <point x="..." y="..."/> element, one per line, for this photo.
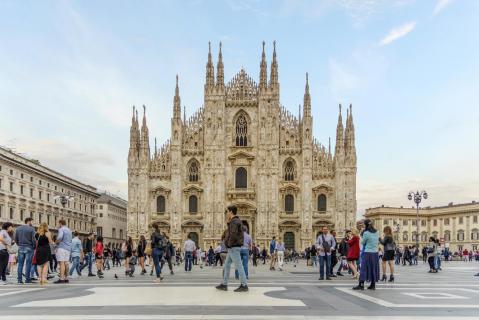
<point x="294" y="293"/>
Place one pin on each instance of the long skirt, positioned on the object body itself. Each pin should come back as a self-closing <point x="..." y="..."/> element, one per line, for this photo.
<point x="369" y="267"/>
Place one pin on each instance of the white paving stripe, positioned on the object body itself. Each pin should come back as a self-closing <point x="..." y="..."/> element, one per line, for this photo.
<point x="161" y="296"/>
<point x="217" y="317"/>
<point x="22" y="290"/>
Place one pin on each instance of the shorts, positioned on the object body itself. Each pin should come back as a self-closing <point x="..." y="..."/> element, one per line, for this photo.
<point x="352" y="259"/>
<point x="98" y="256"/>
<point x="63" y="255"/>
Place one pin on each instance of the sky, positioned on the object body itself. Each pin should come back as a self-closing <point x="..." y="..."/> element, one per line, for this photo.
<point x="70" y="72"/>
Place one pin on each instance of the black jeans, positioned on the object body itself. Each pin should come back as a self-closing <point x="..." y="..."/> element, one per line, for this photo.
<point x="3" y="264"/>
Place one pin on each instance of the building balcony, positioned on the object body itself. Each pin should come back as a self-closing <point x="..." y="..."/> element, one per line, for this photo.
<point x="289" y="215"/>
<point x="245" y="193"/>
<point x="322" y="214"/>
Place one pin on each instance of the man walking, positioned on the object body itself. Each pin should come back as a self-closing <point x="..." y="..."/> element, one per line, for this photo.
<point x="325" y="242"/>
<point x="64" y="241"/>
<point x="280" y="254"/>
<point x="272" y="250"/>
<point x="88" y="254"/>
<point x="25" y="240"/>
<point x="76" y="254"/>
<point x="234" y="240"/>
<point x="189" y="247"/>
<point x="159" y="244"/>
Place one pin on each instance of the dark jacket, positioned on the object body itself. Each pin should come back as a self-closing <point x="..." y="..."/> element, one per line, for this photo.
<point x="388" y="243"/>
<point x="234" y="236"/>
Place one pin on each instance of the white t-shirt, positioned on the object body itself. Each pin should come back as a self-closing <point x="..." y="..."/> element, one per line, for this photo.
<point x="6" y="239"/>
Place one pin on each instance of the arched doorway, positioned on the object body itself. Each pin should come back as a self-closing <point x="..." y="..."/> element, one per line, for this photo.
<point x="289" y="240"/>
<point x="194" y="236"/>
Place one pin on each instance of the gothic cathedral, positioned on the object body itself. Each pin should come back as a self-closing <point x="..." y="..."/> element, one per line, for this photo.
<point x="242" y="147"/>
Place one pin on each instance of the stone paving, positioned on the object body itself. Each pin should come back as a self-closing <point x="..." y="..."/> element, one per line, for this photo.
<point x="294" y="293"/>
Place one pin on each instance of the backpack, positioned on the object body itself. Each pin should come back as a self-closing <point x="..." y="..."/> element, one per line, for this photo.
<point x="326" y="245"/>
<point x="160" y="241"/>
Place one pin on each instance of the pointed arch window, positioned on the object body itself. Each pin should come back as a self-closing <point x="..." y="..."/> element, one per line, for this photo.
<point x="322" y="202"/>
<point x="289" y="203"/>
<point x="193" y="204"/>
<point x="193" y="171"/>
<point x="241" y="178"/>
<point x="241" y="131"/>
<point x="289" y="170"/>
<point x="160" y="204"/>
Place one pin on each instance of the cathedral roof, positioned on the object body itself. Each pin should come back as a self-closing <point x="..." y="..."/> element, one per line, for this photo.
<point x="242" y="87"/>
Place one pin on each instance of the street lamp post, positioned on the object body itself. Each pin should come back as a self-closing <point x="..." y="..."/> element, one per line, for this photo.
<point x="417" y="196"/>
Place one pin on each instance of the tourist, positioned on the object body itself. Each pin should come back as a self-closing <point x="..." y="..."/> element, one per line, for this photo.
<point x="76" y="254"/>
<point x="431" y="254"/>
<point x="64" y="242"/>
<point x="99" y="256"/>
<point x="255" y="255"/>
<point x="128" y="253"/>
<point x="106" y="256"/>
<point x="272" y="248"/>
<point x="279" y="252"/>
<point x="314" y="255"/>
<point x="199" y="257"/>
<point x="5" y="242"/>
<point x="168" y="255"/>
<point x="25" y="239"/>
<point x="244" y="252"/>
<point x="234" y="239"/>
<point x="343" y="252"/>
<point x="141" y="254"/>
<point x="325" y="242"/>
<point x="437" y="256"/>
<point x="334" y="256"/>
<point x="43" y="252"/>
<point x="370" y="261"/>
<point x="132" y="263"/>
<point x="353" y="251"/>
<point x="88" y="254"/>
<point x="389" y="249"/>
<point x="189" y="248"/>
<point x="218" y="255"/>
<point x="158" y="243"/>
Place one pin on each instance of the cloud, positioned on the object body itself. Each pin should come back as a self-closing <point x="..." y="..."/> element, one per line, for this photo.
<point x="398" y="32"/>
<point x="441" y="5"/>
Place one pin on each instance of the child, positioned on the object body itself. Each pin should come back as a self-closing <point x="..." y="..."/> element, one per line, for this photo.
<point x="132" y="263"/>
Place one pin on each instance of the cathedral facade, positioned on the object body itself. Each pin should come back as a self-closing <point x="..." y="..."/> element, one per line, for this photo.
<point x="243" y="148"/>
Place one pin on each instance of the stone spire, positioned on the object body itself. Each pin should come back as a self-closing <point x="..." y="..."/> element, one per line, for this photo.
<point x="263" y="73"/>
<point x="220" y="75"/>
<point x="144" y="140"/>
<point x="273" y="81"/>
<point x="177" y="102"/>
<point x="156" y="149"/>
<point x="349" y="144"/>
<point x="210" y="71"/>
<point x="307" y="99"/>
<point x="134" y="140"/>
<point x="339" y="148"/>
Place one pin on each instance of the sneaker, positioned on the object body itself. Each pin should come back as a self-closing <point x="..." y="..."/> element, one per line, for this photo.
<point x="20" y="282"/>
<point x="222" y="287"/>
<point x="158" y="279"/>
<point x="333" y="276"/>
<point x="241" y="288"/>
<point x="328" y="278"/>
<point x="4" y="282"/>
<point x="171" y="272"/>
<point x="321" y="278"/>
<point x="92" y="275"/>
<point x="66" y="281"/>
<point x="59" y="281"/>
<point x="339" y="274"/>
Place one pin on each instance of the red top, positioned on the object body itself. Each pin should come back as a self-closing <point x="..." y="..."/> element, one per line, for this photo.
<point x="353" y="248"/>
<point x="99" y="248"/>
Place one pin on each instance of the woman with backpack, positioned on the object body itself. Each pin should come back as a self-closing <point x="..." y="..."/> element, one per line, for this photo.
<point x="389" y="252"/>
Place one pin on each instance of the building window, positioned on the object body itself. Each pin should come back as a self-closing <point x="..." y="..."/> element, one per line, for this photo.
<point x="241" y="131"/>
<point x="474" y="219"/>
<point x="241" y="178"/>
<point x="193" y="204"/>
<point x="21" y="189"/>
<point x="101" y="207"/>
<point x="434" y="222"/>
<point x="405" y="236"/>
<point x="113" y="232"/>
<point x="0" y="183"/>
<point x="11" y="172"/>
<point x="193" y="171"/>
<point x="1" y="210"/>
<point x="414" y="222"/>
<point x="460" y="235"/>
<point x="386" y="222"/>
<point x="40" y="195"/>
<point x="11" y="186"/>
<point x="447" y="236"/>
<point x="461" y="220"/>
<point x="289" y="170"/>
<point x="31" y="179"/>
<point x="414" y="235"/>
<point x="22" y="214"/>
<point x="289" y="203"/>
<point x="423" y="223"/>
<point x="11" y="213"/>
<point x="99" y="231"/>
<point x="475" y="234"/>
<point x="121" y="233"/>
<point x="160" y="204"/>
<point x="459" y="248"/>
<point x="40" y="218"/>
<point x="31" y="192"/>
<point x="322" y="202"/>
<point x="446" y="221"/>
<point x="404" y="222"/>
<point x="48" y="219"/>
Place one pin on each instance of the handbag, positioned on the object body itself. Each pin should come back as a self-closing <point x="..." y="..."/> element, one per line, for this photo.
<point x="34" y="258"/>
<point x="12" y="249"/>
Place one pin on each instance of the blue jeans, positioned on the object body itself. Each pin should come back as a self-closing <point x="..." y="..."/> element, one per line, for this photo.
<point x="188" y="260"/>
<point x="234" y="255"/>
<point x="88" y="261"/>
<point x="25" y="255"/>
<point x="75" y="266"/>
<point x="157" y="255"/>
<point x="315" y="260"/>
<point x="324" y="260"/>
<point x="244" y="254"/>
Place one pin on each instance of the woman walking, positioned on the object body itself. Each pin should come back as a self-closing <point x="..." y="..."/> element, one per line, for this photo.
<point x="370" y="260"/>
<point x="389" y="252"/>
<point x="99" y="256"/>
<point x="353" y="251"/>
<point x="5" y="241"/>
<point x="128" y="254"/>
<point x="43" y="252"/>
<point x="141" y="254"/>
<point x="431" y="255"/>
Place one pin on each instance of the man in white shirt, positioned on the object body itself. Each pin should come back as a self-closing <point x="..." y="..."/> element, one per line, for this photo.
<point x="280" y="254"/>
<point x="189" y="247"/>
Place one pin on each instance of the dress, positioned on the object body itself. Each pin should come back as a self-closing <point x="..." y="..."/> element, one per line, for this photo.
<point x="353" y="249"/>
<point x="44" y="253"/>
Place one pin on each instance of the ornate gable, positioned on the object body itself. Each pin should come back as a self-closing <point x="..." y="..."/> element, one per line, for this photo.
<point x="242" y="88"/>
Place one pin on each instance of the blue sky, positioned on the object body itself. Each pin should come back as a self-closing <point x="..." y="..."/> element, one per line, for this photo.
<point x="71" y="70"/>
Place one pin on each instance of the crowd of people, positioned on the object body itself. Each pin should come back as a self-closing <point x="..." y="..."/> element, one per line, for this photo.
<point x="362" y="254"/>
